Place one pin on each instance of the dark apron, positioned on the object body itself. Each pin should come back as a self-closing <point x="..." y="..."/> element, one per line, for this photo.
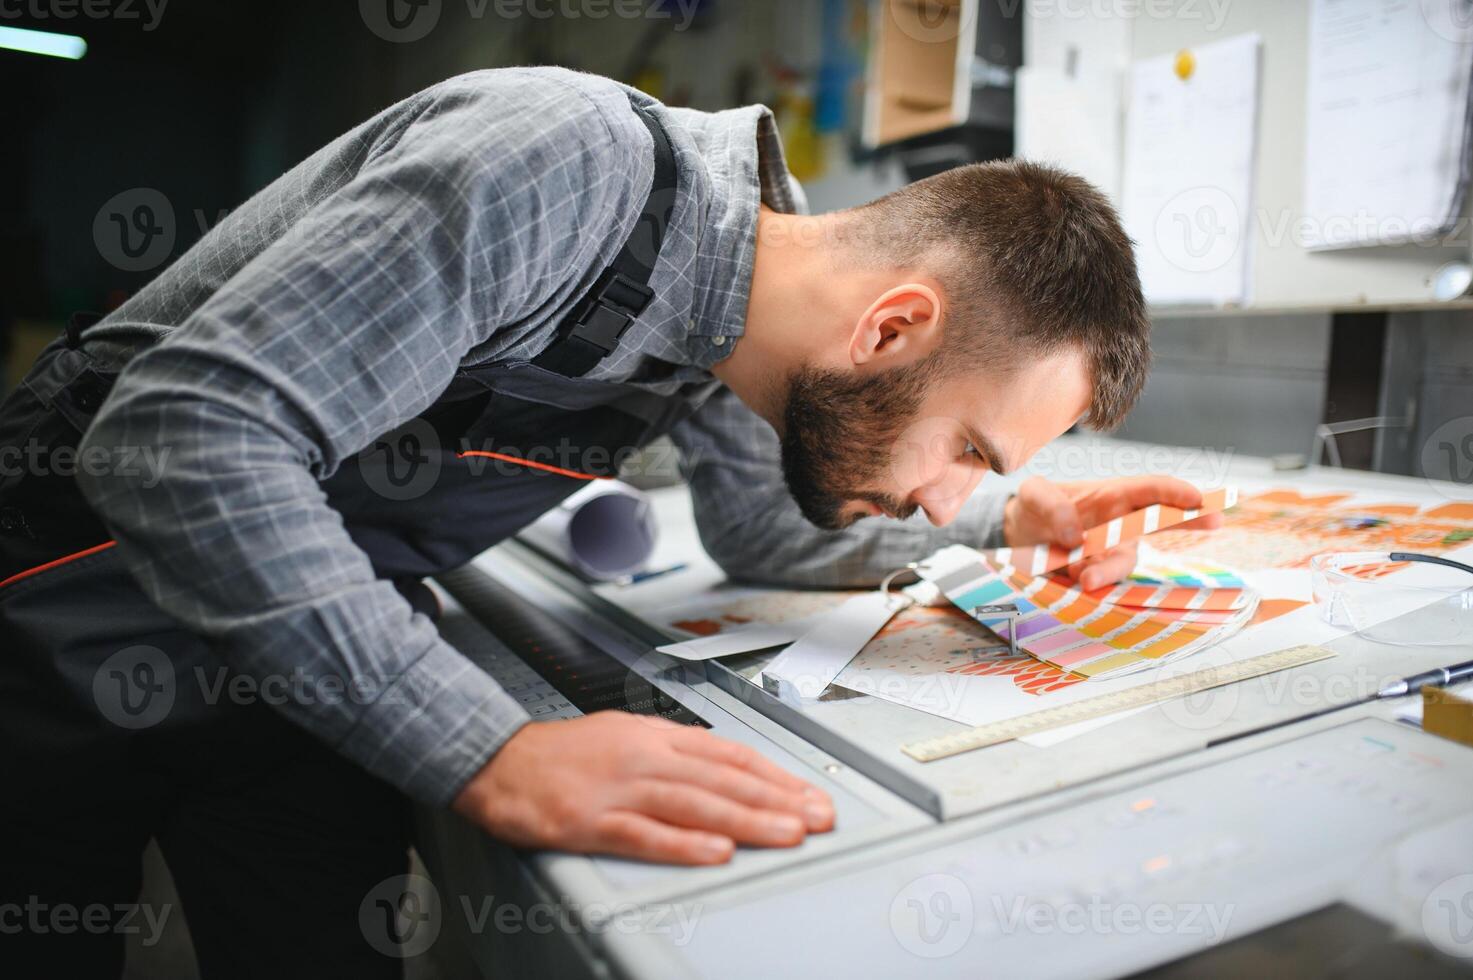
<point x="421" y="500"/>
<point x="98" y="754"/>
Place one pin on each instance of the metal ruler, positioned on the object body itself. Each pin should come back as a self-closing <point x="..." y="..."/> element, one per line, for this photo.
<point x="931" y="749"/>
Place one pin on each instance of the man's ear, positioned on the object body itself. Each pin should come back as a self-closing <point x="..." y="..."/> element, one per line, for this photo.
<point x="902" y="326"/>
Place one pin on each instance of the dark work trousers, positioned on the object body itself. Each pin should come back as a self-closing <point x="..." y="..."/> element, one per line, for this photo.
<point x="115" y="727"/>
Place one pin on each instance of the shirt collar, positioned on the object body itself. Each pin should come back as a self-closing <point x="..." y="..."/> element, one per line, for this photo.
<point x="742" y="155"/>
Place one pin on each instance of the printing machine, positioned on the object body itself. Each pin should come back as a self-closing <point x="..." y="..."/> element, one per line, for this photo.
<point x="1247" y="830"/>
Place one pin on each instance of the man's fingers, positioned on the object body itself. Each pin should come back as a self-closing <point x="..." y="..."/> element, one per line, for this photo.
<point x="749" y="790"/>
<point x="1116" y="564"/>
<point x="634" y="835"/>
<point x="1051" y="514"/>
<point x="1058" y="513"/>
<point x="698" y="809"/>
<point x="1142" y="491"/>
<point x="1207" y="522"/>
<point x="1109" y="499"/>
<point x="611" y="783"/>
<point x="1076" y="572"/>
<point x="698" y="741"/>
<point x="1111" y="567"/>
<point x="1104" y="569"/>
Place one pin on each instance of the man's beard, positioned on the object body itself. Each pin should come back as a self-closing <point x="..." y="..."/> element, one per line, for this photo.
<point x="839" y="436"/>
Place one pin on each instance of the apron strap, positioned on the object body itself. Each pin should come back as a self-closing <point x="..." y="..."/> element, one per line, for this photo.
<point x="621" y="293"/>
<point x="76" y="324"/>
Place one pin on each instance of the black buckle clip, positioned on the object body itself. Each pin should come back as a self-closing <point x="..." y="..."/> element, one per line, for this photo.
<point x="77" y="323"/>
<point x="615" y="301"/>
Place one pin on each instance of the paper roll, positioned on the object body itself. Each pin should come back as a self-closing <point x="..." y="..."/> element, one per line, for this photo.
<point x="605" y="531"/>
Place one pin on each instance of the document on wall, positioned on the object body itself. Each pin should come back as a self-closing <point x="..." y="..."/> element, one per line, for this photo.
<point x="1072" y="122"/>
<point x="1386" y="151"/>
<point x="1187" y="198"/>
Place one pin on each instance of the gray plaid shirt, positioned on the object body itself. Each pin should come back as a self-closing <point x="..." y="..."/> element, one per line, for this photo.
<point x="456" y="228"/>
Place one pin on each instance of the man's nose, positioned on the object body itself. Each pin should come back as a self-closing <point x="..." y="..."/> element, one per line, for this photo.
<point x="943" y="498"/>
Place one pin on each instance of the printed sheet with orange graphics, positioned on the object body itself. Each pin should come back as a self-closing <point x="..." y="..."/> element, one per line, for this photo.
<point x="938" y="659"/>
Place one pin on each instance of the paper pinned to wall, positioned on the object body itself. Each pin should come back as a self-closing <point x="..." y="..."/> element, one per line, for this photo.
<point x="1072" y="122"/>
<point x="1187" y="193"/>
<point x="1386" y="139"/>
<point x="1076" y="41"/>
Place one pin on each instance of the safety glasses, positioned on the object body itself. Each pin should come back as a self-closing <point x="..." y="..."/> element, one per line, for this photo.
<point x="1356" y="591"/>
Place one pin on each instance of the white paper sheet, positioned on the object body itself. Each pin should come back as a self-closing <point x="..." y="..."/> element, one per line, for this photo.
<point x="1075" y="123"/>
<point x="913" y="663"/>
<point x="1082" y="39"/>
<point x="1387" y="120"/>
<point x="1187" y="194"/>
<point x="747" y="640"/>
<point x="810" y="665"/>
<point x="1053" y="736"/>
<point x="917" y="675"/>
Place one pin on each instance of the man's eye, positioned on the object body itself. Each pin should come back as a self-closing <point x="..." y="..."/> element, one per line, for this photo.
<point x="971" y="450"/>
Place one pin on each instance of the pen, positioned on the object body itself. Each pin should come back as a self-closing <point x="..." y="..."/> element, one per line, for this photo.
<point x="646" y="576"/>
<point x="1437" y="677"/>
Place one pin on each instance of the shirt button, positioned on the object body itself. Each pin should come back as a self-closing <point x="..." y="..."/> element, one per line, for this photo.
<point x="719" y="341"/>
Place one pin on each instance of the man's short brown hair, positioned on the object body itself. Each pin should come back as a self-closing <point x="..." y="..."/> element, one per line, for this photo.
<point x="1031" y="259"/>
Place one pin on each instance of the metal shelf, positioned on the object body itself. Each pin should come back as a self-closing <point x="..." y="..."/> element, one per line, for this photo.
<point x="1213" y="312"/>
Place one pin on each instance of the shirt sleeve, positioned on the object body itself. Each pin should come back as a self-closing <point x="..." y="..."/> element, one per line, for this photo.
<point x="753" y="529"/>
<point x="352" y="322"/>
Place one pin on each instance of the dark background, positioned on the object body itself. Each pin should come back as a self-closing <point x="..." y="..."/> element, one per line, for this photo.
<point x="209" y="101"/>
<point x="207" y="106"/>
<point x="216" y="98"/>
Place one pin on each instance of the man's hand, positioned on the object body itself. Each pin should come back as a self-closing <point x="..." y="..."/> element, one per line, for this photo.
<point x="639" y="787"/>
<point x="1058" y="513"/>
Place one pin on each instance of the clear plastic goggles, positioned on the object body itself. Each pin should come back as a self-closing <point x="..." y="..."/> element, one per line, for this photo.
<point x="1429" y="605"/>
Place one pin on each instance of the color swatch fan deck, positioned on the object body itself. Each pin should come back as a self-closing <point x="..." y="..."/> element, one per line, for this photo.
<point x="1108" y="633"/>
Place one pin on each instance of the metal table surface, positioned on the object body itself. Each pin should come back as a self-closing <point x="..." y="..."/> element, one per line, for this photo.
<point x="1011" y="860"/>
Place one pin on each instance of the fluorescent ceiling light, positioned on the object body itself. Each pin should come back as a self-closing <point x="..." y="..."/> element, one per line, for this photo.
<point x="42" y="42"/>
